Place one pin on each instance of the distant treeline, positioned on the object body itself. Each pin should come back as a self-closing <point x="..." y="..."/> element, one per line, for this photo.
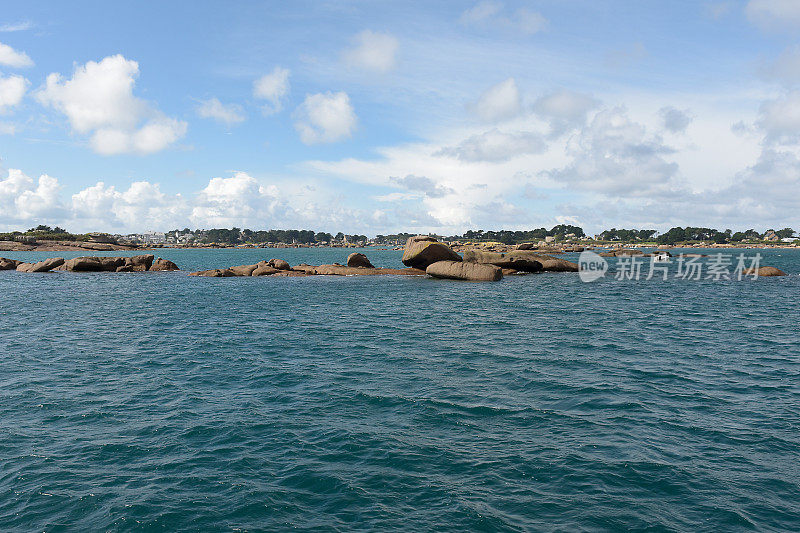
<point x="560" y="233"/>
<point x="287" y="236"/>
<point x="43" y="233"/>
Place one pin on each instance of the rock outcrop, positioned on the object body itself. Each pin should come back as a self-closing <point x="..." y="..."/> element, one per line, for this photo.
<point x="9" y="264"/>
<point x="622" y="253"/>
<point x="358" y="260"/>
<point x="339" y="270"/>
<point x="464" y="271"/>
<point x="163" y="265"/>
<point x="243" y="270"/>
<point x="42" y="266"/>
<point x="279" y="264"/>
<point x="265" y="270"/>
<point x="423" y="250"/>
<point x="137" y="263"/>
<point x="522" y="260"/>
<point x="214" y="273"/>
<point x="764" y="272"/>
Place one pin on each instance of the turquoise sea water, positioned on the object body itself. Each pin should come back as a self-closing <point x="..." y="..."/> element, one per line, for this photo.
<point x="162" y="402"/>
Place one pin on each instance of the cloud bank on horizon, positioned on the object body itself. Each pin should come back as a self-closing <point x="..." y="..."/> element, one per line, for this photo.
<point x="401" y="117"/>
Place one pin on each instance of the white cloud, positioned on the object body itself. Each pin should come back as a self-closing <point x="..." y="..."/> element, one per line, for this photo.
<point x="780" y="119"/>
<point x="272" y="87"/>
<point x="492" y="14"/>
<point x="425" y="186"/>
<point x="615" y="155"/>
<point x="23" y="199"/>
<point x="675" y="120"/>
<point x="12" y="89"/>
<point x="16" y="26"/>
<point x="6" y="128"/>
<point x="11" y="58"/>
<point x="226" y="114"/>
<point x="325" y="118"/>
<point x="774" y="14"/>
<point x="373" y="51"/>
<point x="142" y="205"/>
<point x="786" y="68"/>
<point x="495" y="145"/>
<point x="501" y="101"/>
<point x="99" y="100"/>
<point x="481" y="11"/>
<point x="564" y="110"/>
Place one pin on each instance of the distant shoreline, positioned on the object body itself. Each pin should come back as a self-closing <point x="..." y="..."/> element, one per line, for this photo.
<point x="77" y="246"/>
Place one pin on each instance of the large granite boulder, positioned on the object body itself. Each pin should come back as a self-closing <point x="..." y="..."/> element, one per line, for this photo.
<point x="279" y="264"/>
<point x="242" y="270"/>
<point x="8" y="264"/>
<point x="107" y="264"/>
<point x="423" y="250"/>
<point x="83" y="264"/>
<point x="214" y="273"/>
<point x="263" y="269"/>
<point x="358" y="260"/>
<point x="764" y="272"/>
<point x="140" y="263"/>
<point x="163" y="265"/>
<point x="464" y="271"/>
<point x="42" y="266"/>
<point x="522" y="260"/>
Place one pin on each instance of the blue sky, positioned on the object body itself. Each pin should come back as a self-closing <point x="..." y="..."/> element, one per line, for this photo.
<point x="374" y="117"/>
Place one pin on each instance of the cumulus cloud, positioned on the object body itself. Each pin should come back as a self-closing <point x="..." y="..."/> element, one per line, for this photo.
<point x="779" y="119"/>
<point x="142" y="205"/>
<point x="98" y="100"/>
<point x="12" y="89"/>
<point x="564" y="110"/>
<point x="237" y="200"/>
<point x="372" y="51"/>
<point x="501" y="101"/>
<point x="495" y="145"/>
<point x="785" y="69"/>
<point x="675" y="120"/>
<point x="12" y="58"/>
<point x="774" y="14"/>
<point x="615" y="155"/>
<point x="22" y="198"/>
<point x="423" y="185"/>
<point x="226" y="114"/>
<point x="325" y="118"/>
<point x="272" y="87"/>
<point x="493" y="14"/>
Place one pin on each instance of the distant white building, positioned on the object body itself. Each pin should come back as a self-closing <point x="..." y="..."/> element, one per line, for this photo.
<point x="148" y="237"/>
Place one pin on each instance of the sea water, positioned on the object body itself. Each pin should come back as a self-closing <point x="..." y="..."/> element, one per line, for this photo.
<point x="163" y="402"/>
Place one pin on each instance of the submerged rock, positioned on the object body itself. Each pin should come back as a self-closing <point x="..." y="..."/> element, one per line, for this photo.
<point x="423" y="250"/>
<point x="358" y="260"/>
<point x="764" y="272"/>
<point x="464" y="271"/>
